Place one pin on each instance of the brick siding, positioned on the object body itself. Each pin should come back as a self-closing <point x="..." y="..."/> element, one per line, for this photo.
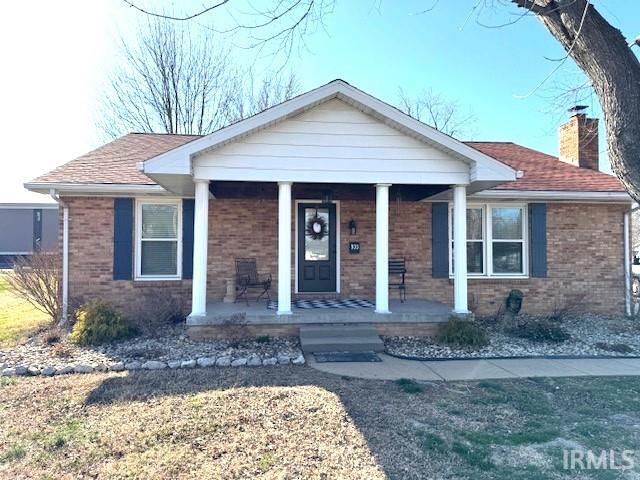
<point x="585" y="254"/>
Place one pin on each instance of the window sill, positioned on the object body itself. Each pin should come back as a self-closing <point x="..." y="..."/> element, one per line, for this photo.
<point x="495" y="277"/>
<point x="157" y="279"/>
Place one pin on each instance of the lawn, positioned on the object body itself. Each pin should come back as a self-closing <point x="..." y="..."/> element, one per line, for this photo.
<point x="295" y="422"/>
<point x="18" y="318"/>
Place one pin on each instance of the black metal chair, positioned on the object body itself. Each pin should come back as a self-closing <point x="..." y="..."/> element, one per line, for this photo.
<point x="397" y="266"/>
<point x="247" y="277"/>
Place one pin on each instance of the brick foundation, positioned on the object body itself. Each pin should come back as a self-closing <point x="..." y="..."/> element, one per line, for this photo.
<point x="585" y="254"/>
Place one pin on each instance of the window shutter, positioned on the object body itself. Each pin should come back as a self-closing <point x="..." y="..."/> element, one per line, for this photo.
<point x="538" y="220"/>
<point x="440" y="240"/>
<point x="122" y="238"/>
<point x="187" y="237"/>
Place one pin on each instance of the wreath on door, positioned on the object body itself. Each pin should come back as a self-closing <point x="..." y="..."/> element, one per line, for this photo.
<point x="316" y="227"/>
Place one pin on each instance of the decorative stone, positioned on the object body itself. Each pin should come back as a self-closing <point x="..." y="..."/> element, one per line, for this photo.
<point x="153" y="365"/>
<point x="254" y="360"/>
<point x="64" y="370"/>
<point x="8" y="372"/>
<point x="299" y="360"/>
<point x="83" y="368"/>
<point x="206" y="361"/>
<point x="117" y="367"/>
<point x="173" y="364"/>
<point x="48" y="371"/>
<point x="135" y="365"/>
<point x="270" y="361"/>
<point x="33" y="371"/>
<point x="239" y="362"/>
<point x="21" y="370"/>
<point x="283" y="359"/>
<point x="223" y="362"/>
<point x="188" y="364"/>
<point x="100" y="367"/>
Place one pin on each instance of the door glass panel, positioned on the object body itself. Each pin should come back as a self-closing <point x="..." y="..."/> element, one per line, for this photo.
<point x="316" y="234"/>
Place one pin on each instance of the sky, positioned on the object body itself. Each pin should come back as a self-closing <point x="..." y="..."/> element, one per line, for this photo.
<point x="57" y="55"/>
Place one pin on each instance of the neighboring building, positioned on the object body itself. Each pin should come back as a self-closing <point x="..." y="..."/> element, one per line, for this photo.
<point x="385" y="185"/>
<point x="26" y="228"/>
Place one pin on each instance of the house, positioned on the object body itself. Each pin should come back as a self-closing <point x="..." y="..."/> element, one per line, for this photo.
<point x="26" y="228"/>
<point x="473" y="220"/>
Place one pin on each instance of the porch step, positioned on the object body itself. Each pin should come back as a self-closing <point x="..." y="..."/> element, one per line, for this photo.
<point x="340" y="338"/>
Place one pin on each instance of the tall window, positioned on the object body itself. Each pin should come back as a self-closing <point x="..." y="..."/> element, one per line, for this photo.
<point x="158" y="227"/>
<point x="507" y="240"/>
<point x="496" y="240"/>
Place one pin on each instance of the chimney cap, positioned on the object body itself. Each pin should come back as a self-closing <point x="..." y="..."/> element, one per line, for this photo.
<point x="577" y="109"/>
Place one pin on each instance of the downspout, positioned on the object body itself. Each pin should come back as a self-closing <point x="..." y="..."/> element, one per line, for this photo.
<point x="65" y="255"/>
<point x="627" y="263"/>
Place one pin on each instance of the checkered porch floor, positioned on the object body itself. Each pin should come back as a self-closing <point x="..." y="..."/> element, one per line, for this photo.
<point x="340" y="303"/>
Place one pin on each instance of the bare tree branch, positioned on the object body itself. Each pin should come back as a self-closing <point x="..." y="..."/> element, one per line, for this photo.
<point x="436" y="110"/>
<point x="35" y="279"/>
<point x="173" y="81"/>
<point x="170" y="17"/>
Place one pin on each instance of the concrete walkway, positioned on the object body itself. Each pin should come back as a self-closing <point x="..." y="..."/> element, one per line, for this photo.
<point x="392" y="368"/>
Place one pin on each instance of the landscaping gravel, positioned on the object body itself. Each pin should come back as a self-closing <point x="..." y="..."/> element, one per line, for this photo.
<point x="169" y="348"/>
<point x="591" y="335"/>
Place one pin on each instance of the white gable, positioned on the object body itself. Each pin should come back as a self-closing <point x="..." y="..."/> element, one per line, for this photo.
<point x="332" y="141"/>
<point x="333" y="134"/>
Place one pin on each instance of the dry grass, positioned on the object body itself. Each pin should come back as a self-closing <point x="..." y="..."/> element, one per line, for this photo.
<point x="295" y="422"/>
<point x="18" y="318"/>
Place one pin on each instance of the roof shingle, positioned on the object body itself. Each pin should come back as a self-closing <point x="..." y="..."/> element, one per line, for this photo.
<point x="115" y="163"/>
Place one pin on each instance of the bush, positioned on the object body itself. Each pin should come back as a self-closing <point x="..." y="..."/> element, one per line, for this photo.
<point x="543" y="330"/>
<point x="155" y="309"/>
<point x="461" y="332"/>
<point x="98" y="322"/>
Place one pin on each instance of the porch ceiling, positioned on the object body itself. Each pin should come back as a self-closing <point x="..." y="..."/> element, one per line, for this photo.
<point x="340" y="191"/>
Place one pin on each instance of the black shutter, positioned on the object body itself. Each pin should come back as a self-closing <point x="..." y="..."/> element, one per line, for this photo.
<point x="122" y="238"/>
<point x="538" y="222"/>
<point x="187" y="237"/>
<point x="440" y="240"/>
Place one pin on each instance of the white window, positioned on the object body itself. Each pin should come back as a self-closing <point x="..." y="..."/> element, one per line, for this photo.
<point x="158" y="239"/>
<point x="496" y="240"/>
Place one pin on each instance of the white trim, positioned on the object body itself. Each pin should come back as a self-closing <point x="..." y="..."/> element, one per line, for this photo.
<point x="31" y="252"/>
<point x="338" y="244"/>
<point x="487" y="257"/>
<point x="180" y="160"/>
<point x="200" y="249"/>
<point x="549" y="195"/>
<point x="627" y="262"/>
<point x="138" y="277"/>
<point x="97" y="189"/>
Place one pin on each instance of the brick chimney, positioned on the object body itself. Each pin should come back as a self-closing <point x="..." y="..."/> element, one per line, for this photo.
<point x="579" y="139"/>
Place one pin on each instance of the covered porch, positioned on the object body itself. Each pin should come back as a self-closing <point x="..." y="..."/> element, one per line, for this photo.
<point x="332" y="139"/>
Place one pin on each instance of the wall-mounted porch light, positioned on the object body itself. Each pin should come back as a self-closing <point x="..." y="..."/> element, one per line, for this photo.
<point x="353" y="227"/>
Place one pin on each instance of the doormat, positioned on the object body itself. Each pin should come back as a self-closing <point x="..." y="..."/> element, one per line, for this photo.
<point x="340" y="303"/>
<point x="326" y="357"/>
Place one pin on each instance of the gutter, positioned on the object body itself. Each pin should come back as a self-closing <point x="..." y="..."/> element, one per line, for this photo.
<point x="65" y="255"/>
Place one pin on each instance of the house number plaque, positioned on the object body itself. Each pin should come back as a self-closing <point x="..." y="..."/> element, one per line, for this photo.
<point x="354" y="248"/>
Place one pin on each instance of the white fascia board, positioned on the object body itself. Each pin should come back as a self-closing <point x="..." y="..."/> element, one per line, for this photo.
<point x="179" y="159"/>
<point x="97" y="189"/>
<point x="539" y="195"/>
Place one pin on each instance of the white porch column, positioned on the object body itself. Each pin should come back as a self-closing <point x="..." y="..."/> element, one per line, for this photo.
<point x="200" y="238"/>
<point x="284" y="248"/>
<point x="460" y="249"/>
<point x="382" y="248"/>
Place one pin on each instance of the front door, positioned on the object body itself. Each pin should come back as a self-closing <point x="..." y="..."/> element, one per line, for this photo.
<point x="316" y="247"/>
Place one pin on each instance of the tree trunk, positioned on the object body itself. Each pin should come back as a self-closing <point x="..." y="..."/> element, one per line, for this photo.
<point x="604" y="55"/>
